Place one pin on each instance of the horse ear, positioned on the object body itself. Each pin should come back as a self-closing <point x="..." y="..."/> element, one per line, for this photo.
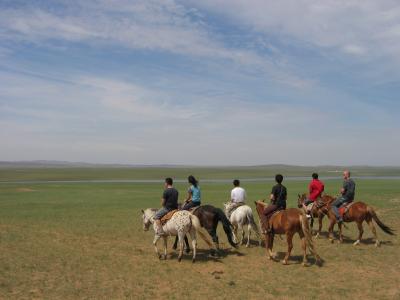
<point x="298" y="195"/>
<point x="142" y="211"/>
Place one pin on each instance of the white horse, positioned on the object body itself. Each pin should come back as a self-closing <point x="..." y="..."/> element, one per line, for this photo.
<point x="181" y="223"/>
<point x="241" y="216"/>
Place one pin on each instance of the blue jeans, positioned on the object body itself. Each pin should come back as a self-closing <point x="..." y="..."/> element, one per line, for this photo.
<point x="161" y="213"/>
<point x="338" y="203"/>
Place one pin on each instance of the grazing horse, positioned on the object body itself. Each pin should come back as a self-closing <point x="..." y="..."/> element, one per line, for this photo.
<point x="289" y="221"/>
<point x="209" y="217"/>
<point x="181" y="223"/>
<point x="358" y="212"/>
<point x="241" y="216"/>
<point x="318" y="211"/>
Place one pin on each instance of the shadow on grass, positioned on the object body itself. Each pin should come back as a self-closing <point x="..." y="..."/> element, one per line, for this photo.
<point x="205" y="255"/>
<point x="298" y="259"/>
<point x="368" y="241"/>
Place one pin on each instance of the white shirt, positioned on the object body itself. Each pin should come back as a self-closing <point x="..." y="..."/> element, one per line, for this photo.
<point x="238" y="194"/>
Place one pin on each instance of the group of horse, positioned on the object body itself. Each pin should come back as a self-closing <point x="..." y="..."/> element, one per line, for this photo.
<point x="203" y="220"/>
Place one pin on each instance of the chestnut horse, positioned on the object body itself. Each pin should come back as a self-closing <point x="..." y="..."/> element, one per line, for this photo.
<point x="289" y="221"/>
<point x="358" y="212"/>
<point x="318" y="211"/>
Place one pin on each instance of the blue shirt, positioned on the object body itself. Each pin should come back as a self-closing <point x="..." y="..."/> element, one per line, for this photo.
<point x="196" y="195"/>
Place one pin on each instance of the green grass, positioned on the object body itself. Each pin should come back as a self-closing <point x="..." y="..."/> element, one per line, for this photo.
<point x="83" y="240"/>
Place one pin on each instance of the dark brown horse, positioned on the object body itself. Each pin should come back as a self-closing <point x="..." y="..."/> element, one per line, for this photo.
<point x="209" y="217"/>
<point x="289" y="221"/>
<point x="358" y="212"/>
<point x="318" y="211"/>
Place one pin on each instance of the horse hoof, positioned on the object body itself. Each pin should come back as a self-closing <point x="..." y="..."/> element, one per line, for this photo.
<point x="193" y="260"/>
<point x="284" y="262"/>
<point x="356" y="243"/>
<point x="305" y="264"/>
<point x="179" y="259"/>
<point x="247" y="245"/>
<point x="331" y="240"/>
<point x="377" y="244"/>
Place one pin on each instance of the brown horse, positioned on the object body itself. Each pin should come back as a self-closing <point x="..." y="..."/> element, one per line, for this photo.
<point x="318" y="211"/>
<point x="289" y="222"/>
<point x="358" y="212"/>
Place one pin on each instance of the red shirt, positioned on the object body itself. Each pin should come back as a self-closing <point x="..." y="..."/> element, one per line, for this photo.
<point x="316" y="188"/>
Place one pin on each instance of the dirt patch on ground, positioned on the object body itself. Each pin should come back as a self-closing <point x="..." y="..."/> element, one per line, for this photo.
<point x="25" y="190"/>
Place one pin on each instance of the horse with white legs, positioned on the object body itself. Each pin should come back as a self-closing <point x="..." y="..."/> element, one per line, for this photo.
<point x="239" y="218"/>
<point x="181" y="223"/>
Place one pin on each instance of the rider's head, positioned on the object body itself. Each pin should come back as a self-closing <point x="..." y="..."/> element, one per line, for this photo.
<point x="278" y="178"/>
<point x="236" y="182"/>
<point x="168" y="181"/>
<point x="346" y="174"/>
<point x="314" y="175"/>
<point x="192" y="180"/>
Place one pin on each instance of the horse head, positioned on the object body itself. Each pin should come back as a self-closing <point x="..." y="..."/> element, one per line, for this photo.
<point x="147" y="216"/>
<point x="300" y="200"/>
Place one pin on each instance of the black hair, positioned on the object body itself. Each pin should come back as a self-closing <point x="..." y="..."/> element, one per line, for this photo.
<point x="314" y="175"/>
<point x="278" y="178"/>
<point x="193" y="180"/>
<point x="169" y="181"/>
<point x="236" y="182"/>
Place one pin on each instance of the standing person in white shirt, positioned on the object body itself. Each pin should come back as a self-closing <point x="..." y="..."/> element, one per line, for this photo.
<point x="238" y="197"/>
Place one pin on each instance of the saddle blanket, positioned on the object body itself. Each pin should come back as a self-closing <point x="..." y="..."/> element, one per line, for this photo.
<point x="168" y="216"/>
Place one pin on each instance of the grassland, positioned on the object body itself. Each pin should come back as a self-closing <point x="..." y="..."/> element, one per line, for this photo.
<point x="85" y="240"/>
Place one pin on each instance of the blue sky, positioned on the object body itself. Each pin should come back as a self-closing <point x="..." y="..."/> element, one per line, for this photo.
<point x="200" y="82"/>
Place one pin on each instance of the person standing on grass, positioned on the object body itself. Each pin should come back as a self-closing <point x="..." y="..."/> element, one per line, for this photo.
<point x="347" y="194"/>
<point x="194" y="195"/>
<point x="238" y="197"/>
<point x="169" y="202"/>
<point x="278" y="200"/>
<point x="315" y="188"/>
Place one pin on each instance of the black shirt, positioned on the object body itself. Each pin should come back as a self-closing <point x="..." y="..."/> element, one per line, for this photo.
<point x="171" y="198"/>
<point x="280" y="195"/>
<point x="349" y="189"/>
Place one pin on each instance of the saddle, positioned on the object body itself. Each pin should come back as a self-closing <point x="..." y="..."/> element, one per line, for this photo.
<point x="168" y="216"/>
<point x="344" y="208"/>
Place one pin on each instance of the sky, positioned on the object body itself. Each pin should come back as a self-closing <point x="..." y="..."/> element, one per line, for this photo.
<point x="221" y="82"/>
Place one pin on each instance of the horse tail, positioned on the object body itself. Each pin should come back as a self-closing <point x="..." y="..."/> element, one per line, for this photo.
<point x="200" y="230"/>
<point x="306" y="230"/>
<point x="227" y="226"/>
<point x="384" y="227"/>
<point x="250" y="219"/>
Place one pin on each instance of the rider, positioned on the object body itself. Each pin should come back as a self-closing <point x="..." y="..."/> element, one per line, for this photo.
<point x="169" y="202"/>
<point x="194" y="196"/>
<point x="316" y="187"/>
<point x="238" y="197"/>
<point x="278" y="199"/>
<point x="347" y="191"/>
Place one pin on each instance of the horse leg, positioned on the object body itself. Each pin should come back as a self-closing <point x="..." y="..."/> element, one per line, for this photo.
<point x="213" y="233"/>
<point x="165" y="247"/>
<point x="192" y="233"/>
<point x="234" y="233"/>
<point x="304" y="247"/>
<point x="372" y="227"/>
<point x="320" y="217"/>
<point x="241" y="230"/>
<point x="330" y="230"/>
<point x="248" y="235"/>
<point x="340" y="232"/>
<point x="156" y="238"/>
<point x="175" y="246"/>
<point x="289" y="240"/>
<point x="181" y="238"/>
<point x="187" y="245"/>
<point x="269" y="243"/>
<point x="360" y="233"/>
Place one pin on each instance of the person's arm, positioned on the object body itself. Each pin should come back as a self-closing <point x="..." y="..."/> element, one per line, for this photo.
<point x="232" y="196"/>
<point x="163" y="198"/>
<point x="343" y="189"/>
<point x="272" y="197"/>
<point x="189" y="195"/>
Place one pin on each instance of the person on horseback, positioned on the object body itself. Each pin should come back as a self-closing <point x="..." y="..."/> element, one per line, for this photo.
<point x="194" y="196"/>
<point x="278" y="199"/>
<point x="169" y="202"/>
<point x="238" y="197"/>
<point x="347" y="194"/>
<point x="315" y="188"/>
